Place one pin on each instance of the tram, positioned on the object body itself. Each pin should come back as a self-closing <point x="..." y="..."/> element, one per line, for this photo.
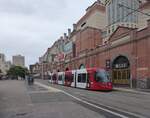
<point x="88" y="78"/>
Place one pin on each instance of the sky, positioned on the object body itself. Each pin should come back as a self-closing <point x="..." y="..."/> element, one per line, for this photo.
<point x="29" y="27"/>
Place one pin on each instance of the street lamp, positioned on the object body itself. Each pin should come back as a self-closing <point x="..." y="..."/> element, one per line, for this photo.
<point x="42" y="69"/>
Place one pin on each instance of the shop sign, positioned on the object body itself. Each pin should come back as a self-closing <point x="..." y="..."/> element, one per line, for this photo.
<point x="123" y="65"/>
<point x="68" y="47"/>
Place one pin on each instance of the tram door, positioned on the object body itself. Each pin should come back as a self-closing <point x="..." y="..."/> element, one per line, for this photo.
<point x="121" y="71"/>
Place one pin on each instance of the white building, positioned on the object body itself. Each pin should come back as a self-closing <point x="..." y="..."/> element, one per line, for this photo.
<point x="2" y="58"/>
<point x="18" y="60"/>
<point x="121" y="13"/>
<point x="144" y="8"/>
<point x="4" y="65"/>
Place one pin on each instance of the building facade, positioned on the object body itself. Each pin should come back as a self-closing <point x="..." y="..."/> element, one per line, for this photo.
<point x="2" y="58"/>
<point x="125" y="53"/>
<point x="95" y="17"/>
<point x="121" y="13"/>
<point x="4" y="65"/>
<point x="127" y="63"/>
<point x="144" y="8"/>
<point x="18" y="60"/>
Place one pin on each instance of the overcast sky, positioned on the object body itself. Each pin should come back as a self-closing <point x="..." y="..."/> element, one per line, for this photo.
<point x="29" y="27"/>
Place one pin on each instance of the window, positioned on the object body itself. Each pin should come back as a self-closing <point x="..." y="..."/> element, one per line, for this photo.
<point x="79" y="77"/>
<point x="113" y="28"/>
<point x="72" y="78"/>
<point x="60" y="78"/>
<point x="69" y="77"/>
<point x="54" y="77"/>
<point x="109" y="31"/>
<point x="82" y="78"/>
<point x="50" y="78"/>
<point x="83" y="24"/>
<point x="101" y="76"/>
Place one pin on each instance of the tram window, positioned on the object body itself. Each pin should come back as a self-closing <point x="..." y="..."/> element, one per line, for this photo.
<point x="66" y="77"/>
<point x="60" y="77"/>
<point x="79" y="77"/>
<point x="72" y="78"/>
<point x="54" y="77"/>
<point x="101" y="76"/>
<point x="69" y="77"/>
<point x="49" y="77"/>
<point x="82" y="78"/>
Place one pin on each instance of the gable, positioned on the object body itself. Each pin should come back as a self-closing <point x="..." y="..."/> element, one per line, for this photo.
<point x="119" y="33"/>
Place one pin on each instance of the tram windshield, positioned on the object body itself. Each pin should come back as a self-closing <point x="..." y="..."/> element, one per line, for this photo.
<point x="102" y="76"/>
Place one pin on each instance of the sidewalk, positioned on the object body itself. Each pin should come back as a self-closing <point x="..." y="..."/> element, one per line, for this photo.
<point x="14" y="100"/>
<point x="139" y="91"/>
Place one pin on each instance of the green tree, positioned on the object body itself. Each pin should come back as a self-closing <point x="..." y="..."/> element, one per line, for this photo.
<point x="16" y="71"/>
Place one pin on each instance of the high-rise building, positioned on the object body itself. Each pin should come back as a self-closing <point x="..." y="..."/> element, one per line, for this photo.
<point x="19" y="60"/>
<point x="121" y="13"/>
<point x="145" y="15"/>
<point x="4" y="65"/>
<point x="2" y="58"/>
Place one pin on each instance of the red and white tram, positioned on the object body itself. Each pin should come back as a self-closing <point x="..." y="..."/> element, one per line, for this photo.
<point x="88" y="78"/>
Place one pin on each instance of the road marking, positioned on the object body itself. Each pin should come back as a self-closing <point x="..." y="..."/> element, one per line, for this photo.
<point x="32" y="92"/>
<point x="93" y="105"/>
<point x="51" y="89"/>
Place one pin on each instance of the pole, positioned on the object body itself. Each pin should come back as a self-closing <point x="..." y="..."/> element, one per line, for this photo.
<point x="131" y="84"/>
<point x="42" y="70"/>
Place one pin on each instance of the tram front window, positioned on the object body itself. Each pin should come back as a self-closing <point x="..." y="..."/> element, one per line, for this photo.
<point x="102" y="76"/>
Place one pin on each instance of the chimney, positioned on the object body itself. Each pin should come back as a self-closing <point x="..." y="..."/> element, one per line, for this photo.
<point x="74" y="26"/>
<point x="61" y="38"/>
<point x="69" y="32"/>
<point x="65" y="36"/>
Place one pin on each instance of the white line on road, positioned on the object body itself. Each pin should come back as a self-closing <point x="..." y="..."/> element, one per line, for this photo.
<point x="93" y="105"/>
<point x="51" y="89"/>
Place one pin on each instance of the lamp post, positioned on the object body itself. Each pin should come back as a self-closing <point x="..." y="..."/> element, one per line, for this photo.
<point x="42" y="69"/>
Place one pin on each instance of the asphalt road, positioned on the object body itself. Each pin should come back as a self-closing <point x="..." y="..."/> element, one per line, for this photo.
<point x="128" y="104"/>
<point x="44" y="100"/>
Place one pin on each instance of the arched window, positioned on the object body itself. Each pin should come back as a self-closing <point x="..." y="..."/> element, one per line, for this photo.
<point x="121" y="62"/>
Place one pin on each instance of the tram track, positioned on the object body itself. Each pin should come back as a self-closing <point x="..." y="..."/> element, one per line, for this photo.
<point x="108" y="111"/>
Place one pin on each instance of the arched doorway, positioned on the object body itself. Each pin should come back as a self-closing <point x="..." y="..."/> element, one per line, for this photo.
<point x="82" y="66"/>
<point x="121" y="71"/>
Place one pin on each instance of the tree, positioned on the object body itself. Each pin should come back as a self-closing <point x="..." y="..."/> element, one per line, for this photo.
<point x="16" y="71"/>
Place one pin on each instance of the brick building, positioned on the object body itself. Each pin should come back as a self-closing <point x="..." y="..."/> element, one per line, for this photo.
<point x="124" y="53"/>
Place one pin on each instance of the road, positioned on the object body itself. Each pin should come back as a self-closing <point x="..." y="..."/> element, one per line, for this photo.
<point x="44" y="100"/>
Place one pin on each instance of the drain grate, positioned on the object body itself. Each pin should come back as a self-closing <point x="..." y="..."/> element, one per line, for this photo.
<point x="21" y="114"/>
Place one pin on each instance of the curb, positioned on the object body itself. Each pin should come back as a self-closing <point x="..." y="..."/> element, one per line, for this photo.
<point x="131" y="91"/>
